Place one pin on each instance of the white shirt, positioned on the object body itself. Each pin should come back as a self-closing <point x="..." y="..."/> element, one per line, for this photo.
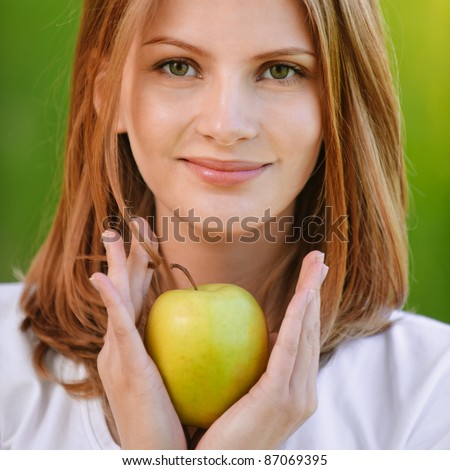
<point x="388" y="391"/>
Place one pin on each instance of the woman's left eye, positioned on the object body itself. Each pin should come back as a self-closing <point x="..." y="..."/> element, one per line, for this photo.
<point x="282" y="72"/>
<point x="177" y="68"/>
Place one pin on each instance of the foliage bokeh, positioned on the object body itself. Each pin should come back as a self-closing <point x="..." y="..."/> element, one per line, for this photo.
<point x="37" y="45"/>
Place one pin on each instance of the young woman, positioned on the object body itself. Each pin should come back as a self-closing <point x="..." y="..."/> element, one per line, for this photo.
<point x="274" y="125"/>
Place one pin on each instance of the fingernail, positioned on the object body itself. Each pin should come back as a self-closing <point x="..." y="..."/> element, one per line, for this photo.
<point x="93" y="281"/>
<point x="320" y="257"/>
<point x="109" y="236"/>
<point x="324" y="273"/>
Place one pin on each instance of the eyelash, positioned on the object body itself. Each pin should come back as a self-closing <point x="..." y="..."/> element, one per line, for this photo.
<point x="299" y="72"/>
<point x="159" y="67"/>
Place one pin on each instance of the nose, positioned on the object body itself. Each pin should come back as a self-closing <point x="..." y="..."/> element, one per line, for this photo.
<point x="227" y="114"/>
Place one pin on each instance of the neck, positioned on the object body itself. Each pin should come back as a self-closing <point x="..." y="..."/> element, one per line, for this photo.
<point x="245" y="259"/>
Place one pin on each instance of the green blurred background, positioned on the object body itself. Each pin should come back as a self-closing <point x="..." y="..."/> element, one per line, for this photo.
<point x="37" y="40"/>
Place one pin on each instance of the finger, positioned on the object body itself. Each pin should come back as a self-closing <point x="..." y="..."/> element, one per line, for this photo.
<point x="139" y="274"/>
<point x="305" y="280"/>
<point x="117" y="268"/>
<point x="123" y="348"/>
<point x="307" y="361"/>
<point x="313" y="272"/>
<point x="283" y="357"/>
<point x="311" y="382"/>
<point x="119" y="319"/>
<point x="304" y="376"/>
<point x="285" y="350"/>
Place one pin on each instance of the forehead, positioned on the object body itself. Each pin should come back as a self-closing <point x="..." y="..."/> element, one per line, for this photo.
<point x="237" y="25"/>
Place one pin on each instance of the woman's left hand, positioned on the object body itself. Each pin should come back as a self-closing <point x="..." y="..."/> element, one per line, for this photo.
<point x="142" y="410"/>
<point x="286" y="394"/>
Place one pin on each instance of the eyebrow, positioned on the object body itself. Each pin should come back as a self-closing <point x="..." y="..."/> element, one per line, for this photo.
<point x="176" y="42"/>
<point x="285" y="51"/>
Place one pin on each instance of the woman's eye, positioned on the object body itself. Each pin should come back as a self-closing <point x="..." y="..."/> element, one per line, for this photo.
<point x="280" y="72"/>
<point x="178" y="69"/>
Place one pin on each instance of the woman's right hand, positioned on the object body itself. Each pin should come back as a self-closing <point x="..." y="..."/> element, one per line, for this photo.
<point x="140" y="405"/>
<point x="286" y="394"/>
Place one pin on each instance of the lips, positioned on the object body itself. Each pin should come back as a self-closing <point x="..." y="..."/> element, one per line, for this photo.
<point x="222" y="165"/>
<point x="222" y="172"/>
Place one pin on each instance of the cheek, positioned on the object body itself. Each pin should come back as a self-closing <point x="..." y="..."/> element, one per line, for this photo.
<point x="155" y="121"/>
<point x="296" y="134"/>
<point x="155" y="125"/>
<point x="166" y="110"/>
<point x="304" y="121"/>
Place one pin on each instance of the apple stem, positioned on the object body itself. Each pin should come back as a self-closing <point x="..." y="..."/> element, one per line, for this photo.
<point x="186" y="272"/>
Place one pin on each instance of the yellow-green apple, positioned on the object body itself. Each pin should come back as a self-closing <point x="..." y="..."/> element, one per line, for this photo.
<point x="210" y="345"/>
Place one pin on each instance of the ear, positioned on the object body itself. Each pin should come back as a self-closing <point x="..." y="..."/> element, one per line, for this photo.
<point x="99" y="96"/>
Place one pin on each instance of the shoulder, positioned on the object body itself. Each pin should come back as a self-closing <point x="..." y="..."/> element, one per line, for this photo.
<point x="413" y="343"/>
<point x="409" y="333"/>
<point x="14" y="344"/>
<point x="10" y="314"/>
<point x="403" y="375"/>
<point x="9" y="297"/>
<point x="16" y="351"/>
<point x="416" y="329"/>
<point x="36" y="413"/>
<point x="386" y="391"/>
<point x="16" y="366"/>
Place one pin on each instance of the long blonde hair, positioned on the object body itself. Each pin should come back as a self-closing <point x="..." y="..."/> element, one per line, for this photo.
<point x="360" y="174"/>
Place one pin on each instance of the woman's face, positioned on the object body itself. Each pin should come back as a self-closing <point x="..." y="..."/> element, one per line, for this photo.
<point x="221" y="100"/>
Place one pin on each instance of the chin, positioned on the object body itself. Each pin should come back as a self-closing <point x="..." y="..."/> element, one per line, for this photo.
<point x="231" y="225"/>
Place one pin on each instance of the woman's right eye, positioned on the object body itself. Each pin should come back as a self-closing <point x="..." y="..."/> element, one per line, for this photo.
<point x="176" y="68"/>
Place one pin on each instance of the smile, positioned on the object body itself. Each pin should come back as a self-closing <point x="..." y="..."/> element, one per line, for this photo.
<point x="224" y="173"/>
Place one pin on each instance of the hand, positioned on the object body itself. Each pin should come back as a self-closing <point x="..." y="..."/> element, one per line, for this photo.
<point x="141" y="407"/>
<point x="285" y="396"/>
